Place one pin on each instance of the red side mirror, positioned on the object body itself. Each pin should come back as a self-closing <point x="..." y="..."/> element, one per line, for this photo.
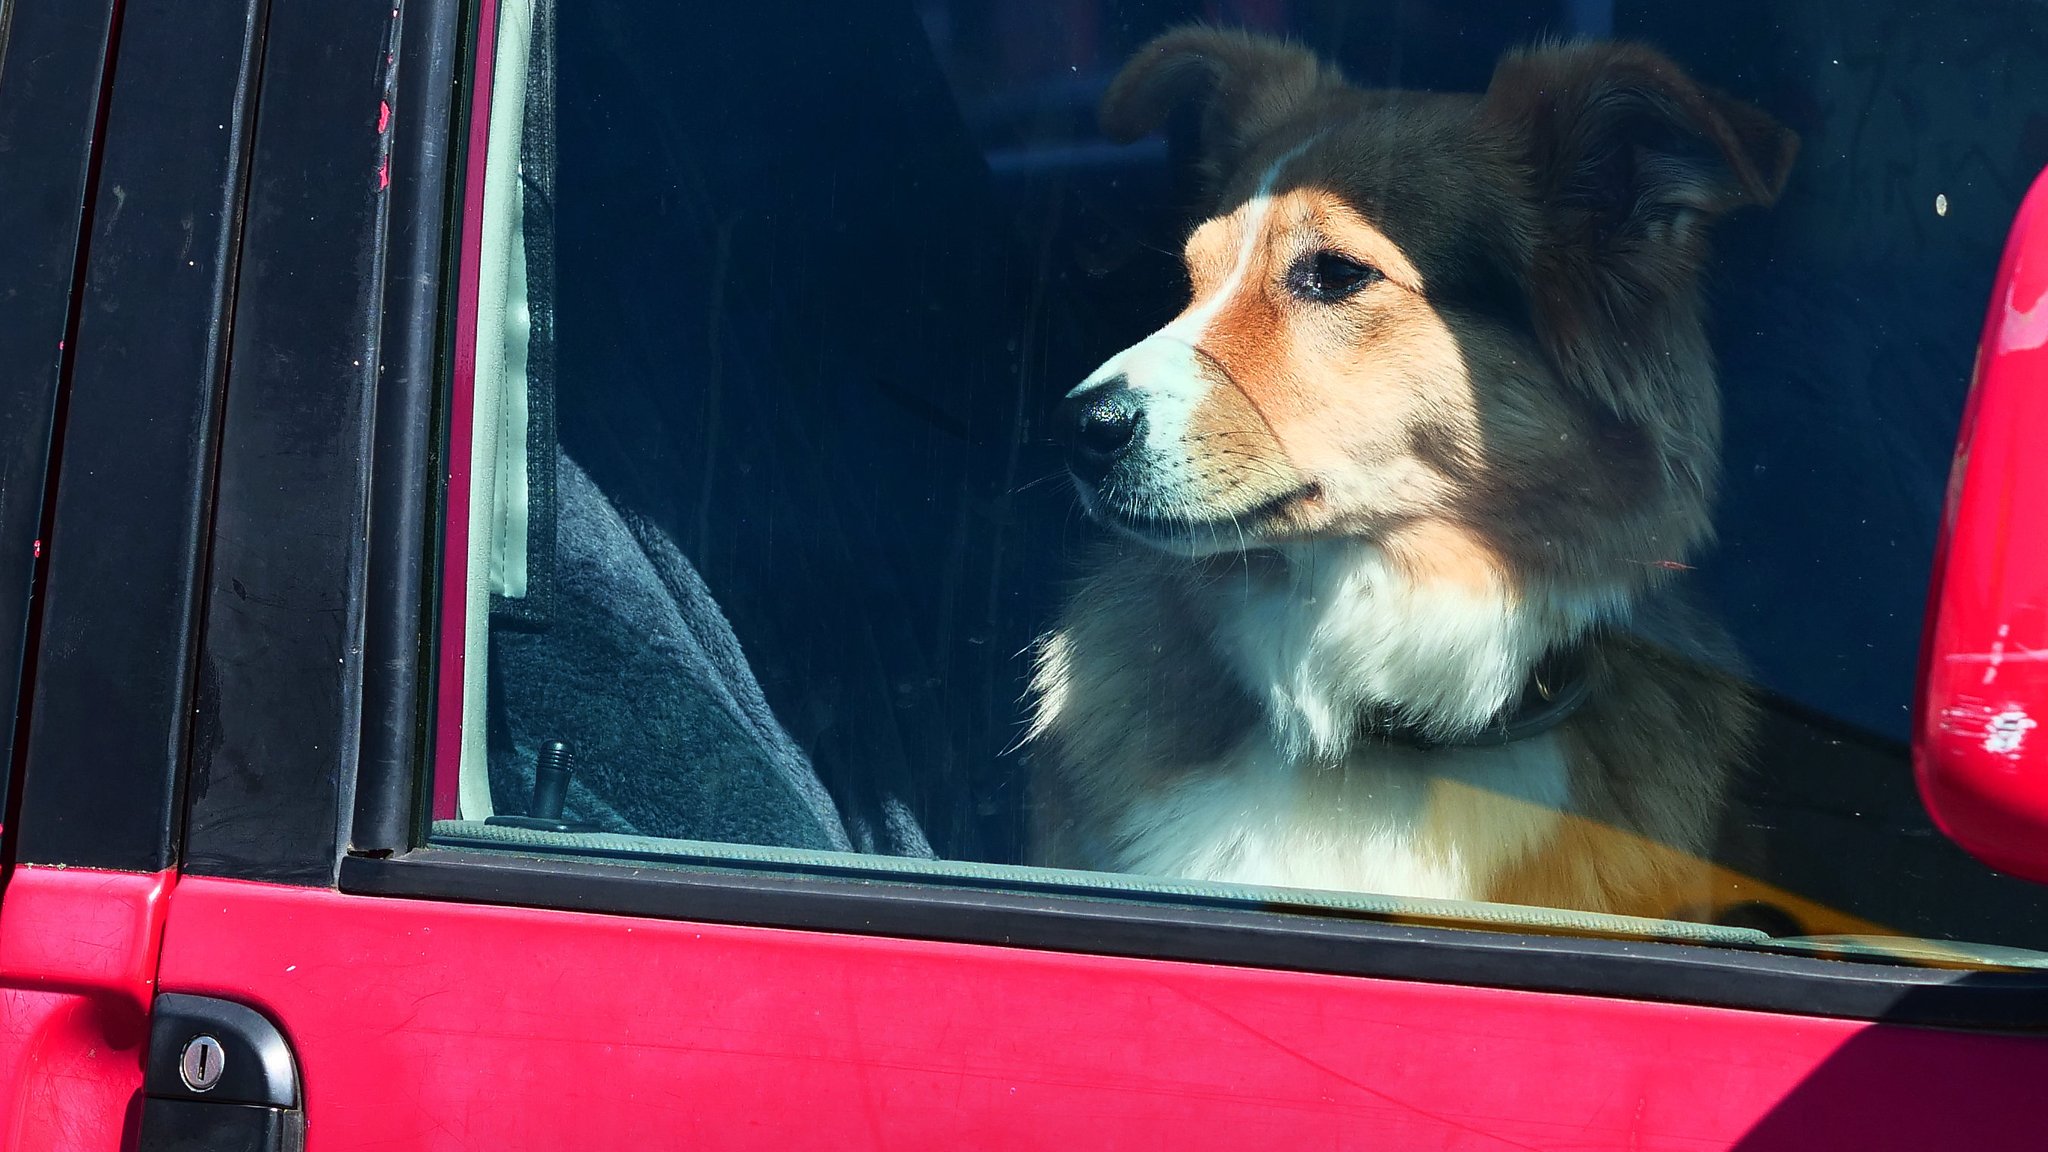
<point x="1980" y="737"/>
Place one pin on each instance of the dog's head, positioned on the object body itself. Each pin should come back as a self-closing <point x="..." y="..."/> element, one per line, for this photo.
<point x="1466" y="325"/>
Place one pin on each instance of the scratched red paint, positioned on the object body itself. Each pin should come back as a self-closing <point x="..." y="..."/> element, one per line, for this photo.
<point x="435" y="1027"/>
<point x="39" y="549"/>
<point x="383" y="115"/>
<point x="78" y="961"/>
<point x="1980" y="753"/>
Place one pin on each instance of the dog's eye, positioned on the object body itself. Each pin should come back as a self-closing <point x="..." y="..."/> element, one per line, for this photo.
<point x="1326" y="276"/>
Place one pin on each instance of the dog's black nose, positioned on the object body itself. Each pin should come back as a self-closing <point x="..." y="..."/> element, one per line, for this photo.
<point x="1100" y="425"/>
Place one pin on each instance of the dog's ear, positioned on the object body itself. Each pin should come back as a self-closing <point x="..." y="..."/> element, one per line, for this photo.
<point x="1631" y="161"/>
<point x="1247" y="85"/>
<point x="1630" y="156"/>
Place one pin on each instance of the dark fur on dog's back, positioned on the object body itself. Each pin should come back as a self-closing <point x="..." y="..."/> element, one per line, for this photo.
<point x="1394" y="497"/>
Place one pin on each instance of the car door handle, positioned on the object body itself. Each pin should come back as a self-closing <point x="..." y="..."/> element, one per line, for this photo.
<point x="220" y="1078"/>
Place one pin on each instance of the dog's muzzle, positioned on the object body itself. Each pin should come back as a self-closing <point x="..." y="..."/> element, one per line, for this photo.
<point x="1100" y="427"/>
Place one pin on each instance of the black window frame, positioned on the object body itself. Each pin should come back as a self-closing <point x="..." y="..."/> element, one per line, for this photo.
<point x="55" y="70"/>
<point x="320" y="636"/>
<point x="160" y="100"/>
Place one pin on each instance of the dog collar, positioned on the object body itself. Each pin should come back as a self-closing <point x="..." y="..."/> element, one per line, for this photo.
<point x="1556" y="687"/>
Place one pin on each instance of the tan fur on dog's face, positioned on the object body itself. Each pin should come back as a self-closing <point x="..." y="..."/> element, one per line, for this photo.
<point x="1277" y="404"/>
<point x="1304" y="401"/>
<point x="1404" y="310"/>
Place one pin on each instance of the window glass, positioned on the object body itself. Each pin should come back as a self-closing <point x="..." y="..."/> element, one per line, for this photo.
<point x="1453" y="460"/>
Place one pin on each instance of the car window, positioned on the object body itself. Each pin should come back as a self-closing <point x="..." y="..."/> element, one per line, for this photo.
<point x="1465" y="462"/>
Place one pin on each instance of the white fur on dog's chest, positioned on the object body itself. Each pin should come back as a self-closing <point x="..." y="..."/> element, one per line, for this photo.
<point x="1442" y="824"/>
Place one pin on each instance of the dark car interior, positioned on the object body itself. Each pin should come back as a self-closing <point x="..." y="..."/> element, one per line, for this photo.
<point x="816" y="275"/>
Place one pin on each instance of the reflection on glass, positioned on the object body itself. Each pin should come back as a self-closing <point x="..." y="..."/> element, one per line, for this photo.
<point x="1455" y="461"/>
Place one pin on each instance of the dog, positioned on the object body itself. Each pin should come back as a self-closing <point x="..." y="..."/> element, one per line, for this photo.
<point x="1386" y="501"/>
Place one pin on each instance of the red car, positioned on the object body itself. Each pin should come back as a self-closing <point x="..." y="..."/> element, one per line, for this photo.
<point x="524" y="523"/>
